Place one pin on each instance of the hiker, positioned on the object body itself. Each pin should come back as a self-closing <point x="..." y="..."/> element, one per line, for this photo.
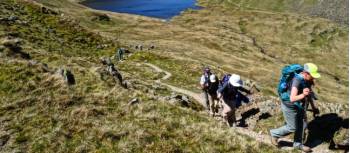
<point x="294" y="89"/>
<point x="212" y="94"/>
<point x="228" y="93"/>
<point x="205" y="84"/>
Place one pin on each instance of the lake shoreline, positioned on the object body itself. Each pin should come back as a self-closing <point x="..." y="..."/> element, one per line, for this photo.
<point x="154" y="9"/>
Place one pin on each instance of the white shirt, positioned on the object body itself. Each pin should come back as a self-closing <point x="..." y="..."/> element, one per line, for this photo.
<point x="202" y="81"/>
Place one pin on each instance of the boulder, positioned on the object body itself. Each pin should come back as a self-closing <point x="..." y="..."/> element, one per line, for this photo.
<point x="181" y="100"/>
<point x="133" y="101"/>
<point x="67" y="76"/>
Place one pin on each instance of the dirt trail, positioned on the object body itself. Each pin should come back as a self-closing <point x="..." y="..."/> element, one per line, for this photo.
<point x="194" y="95"/>
<point x="257" y="136"/>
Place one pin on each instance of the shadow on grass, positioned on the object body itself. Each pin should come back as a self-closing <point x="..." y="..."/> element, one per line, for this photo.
<point x="323" y="128"/>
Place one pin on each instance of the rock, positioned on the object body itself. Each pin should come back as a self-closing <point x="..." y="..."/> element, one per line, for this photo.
<point x="13" y="48"/>
<point x="4" y="139"/>
<point x="67" y="76"/>
<point x="48" y="11"/>
<point x="181" y="100"/>
<point x="113" y="136"/>
<point x="44" y="67"/>
<point x="60" y="71"/>
<point x="101" y="17"/>
<point x="128" y="85"/>
<point x="8" y="42"/>
<point x="133" y="101"/>
<point x="12" y="18"/>
<point x="50" y="30"/>
<point x="151" y="47"/>
<point x="185" y="98"/>
<point x="139" y="47"/>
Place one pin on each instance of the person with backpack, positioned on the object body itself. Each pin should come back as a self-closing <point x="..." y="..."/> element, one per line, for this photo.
<point x="209" y="84"/>
<point x="212" y="94"/>
<point x="294" y="90"/>
<point x="229" y="93"/>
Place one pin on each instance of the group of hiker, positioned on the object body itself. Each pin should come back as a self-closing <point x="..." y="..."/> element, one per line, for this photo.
<point x="294" y="90"/>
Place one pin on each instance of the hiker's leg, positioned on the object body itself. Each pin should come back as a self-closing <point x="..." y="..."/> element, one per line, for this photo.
<point x="299" y="123"/>
<point x="206" y="99"/>
<point x="211" y="104"/>
<point x="226" y="112"/>
<point x="233" y="107"/>
<point x="290" y="118"/>
<point x="216" y="104"/>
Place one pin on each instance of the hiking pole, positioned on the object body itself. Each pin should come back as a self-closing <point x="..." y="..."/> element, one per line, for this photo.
<point x="306" y="105"/>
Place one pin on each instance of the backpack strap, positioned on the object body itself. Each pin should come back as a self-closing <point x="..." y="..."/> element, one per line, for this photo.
<point x="303" y="84"/>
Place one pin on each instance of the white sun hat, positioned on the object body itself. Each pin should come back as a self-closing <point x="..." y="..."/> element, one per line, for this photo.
<point x="212" y="78"/>
<point x="235" y="80"/>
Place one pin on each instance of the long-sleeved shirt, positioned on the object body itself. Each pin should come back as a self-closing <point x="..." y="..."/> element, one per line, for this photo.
<point x="230" y="92"/>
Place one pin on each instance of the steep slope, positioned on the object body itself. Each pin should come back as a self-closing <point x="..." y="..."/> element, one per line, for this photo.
<point x="40" y="112"/>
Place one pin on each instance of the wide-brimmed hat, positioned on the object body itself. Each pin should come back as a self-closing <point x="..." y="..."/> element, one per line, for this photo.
<point x="235" y="80"/>
<point x="312" y="70"/>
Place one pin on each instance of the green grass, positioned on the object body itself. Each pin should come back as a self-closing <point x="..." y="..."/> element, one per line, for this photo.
<point x="42" y="114"/>
<point x="185" y="74"/>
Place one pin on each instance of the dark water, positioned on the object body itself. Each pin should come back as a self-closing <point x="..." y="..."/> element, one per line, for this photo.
<point x="164" y="9"/>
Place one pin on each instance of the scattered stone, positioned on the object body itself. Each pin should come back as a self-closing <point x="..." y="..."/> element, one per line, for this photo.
<point x="139" y="47"/>
<point x="101" y="17"/>
<point x="12" y="18"/>
<point x="48" y="11"/>
<point x="8" y="42"/>
<point x="50" y="30"/>
<point x="113" y="136"/>
<point x="67" y="76"/>
<point x="181" y="100"/>
<point x="4" y="139"/>
<point x="113" y="71"/>
<point x="44" y="67"/>
<point x="133" y="101"/>
<point x="13" y="48"/>
<point x="151" y="47"/>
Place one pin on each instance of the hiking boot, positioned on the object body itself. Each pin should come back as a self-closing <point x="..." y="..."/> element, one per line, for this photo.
<point x="274" y="141"/>
<point x="305" y="149"/>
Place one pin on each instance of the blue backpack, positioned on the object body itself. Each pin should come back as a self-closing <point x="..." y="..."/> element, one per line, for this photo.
<point x="288" y="73"/>
<point x="225" y="79"/>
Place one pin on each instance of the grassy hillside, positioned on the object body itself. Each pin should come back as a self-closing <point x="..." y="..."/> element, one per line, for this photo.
<point x="41" y="113"/>
<point x="335" y="10"/>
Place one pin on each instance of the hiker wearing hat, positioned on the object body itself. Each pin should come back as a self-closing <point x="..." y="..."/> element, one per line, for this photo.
<point x="228" y="93"/>
<point x="209" y="84"/>
<point x="212" y="94"/>
<point x="294" y="94"/>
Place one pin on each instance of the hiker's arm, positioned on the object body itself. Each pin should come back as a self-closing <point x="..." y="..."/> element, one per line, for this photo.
<point x="294" y="97"/>
<point x="221" y="90"/>
<point x="244" y="90"/>
<point x="202" y="83"/>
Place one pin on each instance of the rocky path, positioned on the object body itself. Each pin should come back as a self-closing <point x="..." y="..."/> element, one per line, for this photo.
<point x="257" y="136"/>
